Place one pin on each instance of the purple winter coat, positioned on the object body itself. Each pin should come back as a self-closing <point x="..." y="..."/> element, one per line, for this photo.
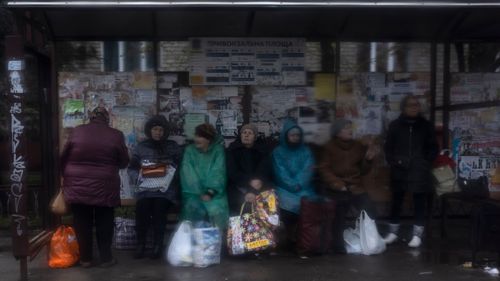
<point x="90" y="162"/>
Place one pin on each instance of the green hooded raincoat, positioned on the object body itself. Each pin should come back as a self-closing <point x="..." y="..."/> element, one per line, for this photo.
<point x="200" y="172"/>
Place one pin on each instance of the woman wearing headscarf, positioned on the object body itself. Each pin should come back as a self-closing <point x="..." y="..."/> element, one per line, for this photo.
<point x="247" y="159"/>
<point x="203" y="179"/>
<point x="293" y="165"/>
<point x="410" y="149"/>
<point x="90" y="162"/>
<point x="154" y="200"/>
<point x="342" y="166"/>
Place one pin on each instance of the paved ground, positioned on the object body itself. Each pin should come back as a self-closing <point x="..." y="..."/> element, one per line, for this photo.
<point x="436" y="262"/>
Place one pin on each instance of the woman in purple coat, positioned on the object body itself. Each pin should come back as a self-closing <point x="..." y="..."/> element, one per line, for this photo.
<point x="90" y="162"/>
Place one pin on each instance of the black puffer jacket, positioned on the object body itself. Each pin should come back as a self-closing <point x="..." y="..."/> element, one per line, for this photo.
<point x="410" y="149"/>
<point x="243" y="164"/>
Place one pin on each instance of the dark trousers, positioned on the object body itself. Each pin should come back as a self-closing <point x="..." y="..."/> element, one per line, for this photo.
<point x="344" y="201"/>
<point x="84" y="219"/>
<point x="151" y="212"/>
<point x="290" y="220"/>
<point x="419" y="203"/>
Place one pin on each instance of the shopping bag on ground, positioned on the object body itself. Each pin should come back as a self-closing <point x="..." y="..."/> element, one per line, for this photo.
<point x="267" y="208"/>
<point x="125" y="235"/>
<point x="352" y="240"/>
<point x="64" y="251"/>
<point x="371" y="241"/>
<point x="314" y="230"/>
<point x="248" y="233"/>
<point x="180" y="252"/>
<point x="207" y="246"/>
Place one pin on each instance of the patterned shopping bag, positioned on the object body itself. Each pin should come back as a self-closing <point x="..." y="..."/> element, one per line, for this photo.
<point x="247" y="233"/>
<point x="125" y="237"/>
<point x="267" y="208"/>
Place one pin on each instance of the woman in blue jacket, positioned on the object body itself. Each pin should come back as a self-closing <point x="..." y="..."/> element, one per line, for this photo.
<point x="293" y="165"/>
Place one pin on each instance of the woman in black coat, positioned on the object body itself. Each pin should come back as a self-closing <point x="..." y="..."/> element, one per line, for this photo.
<point x="410" y="149"/>
<point x="153" y="203"/>
<point x="247" y="159"/>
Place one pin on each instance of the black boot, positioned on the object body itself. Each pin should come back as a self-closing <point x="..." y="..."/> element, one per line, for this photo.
<point x="139" y="251"/>
<point x="158" y="237"/>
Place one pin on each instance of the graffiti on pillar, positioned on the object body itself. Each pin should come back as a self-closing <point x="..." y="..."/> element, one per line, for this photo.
<point x="16" y="86"/>
<point x="18" y="170"/>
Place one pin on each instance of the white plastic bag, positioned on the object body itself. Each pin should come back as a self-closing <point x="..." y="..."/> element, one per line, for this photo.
<point x="352" y="241"/>
<point x="445" y="180"/>
<point x="180" y="252"/>
<point x="207" y="246"/>
<point x="370" y="239"/>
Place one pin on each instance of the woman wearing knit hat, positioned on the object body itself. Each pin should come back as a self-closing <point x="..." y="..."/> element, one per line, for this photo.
<point x="203" y="179"/>
<point x="154" y="201"/>
<point x="342" y="166"/>
<point x="247" y="158"/>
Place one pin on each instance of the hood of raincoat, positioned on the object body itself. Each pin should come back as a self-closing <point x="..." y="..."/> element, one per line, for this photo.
<point x="287" y="126"/>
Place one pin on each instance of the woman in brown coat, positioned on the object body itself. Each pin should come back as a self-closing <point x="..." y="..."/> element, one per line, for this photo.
<point x="342" y="166"/>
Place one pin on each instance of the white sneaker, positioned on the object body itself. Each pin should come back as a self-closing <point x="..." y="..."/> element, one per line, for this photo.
<point x="415" y="242"/>
<point x="390" y="238"/>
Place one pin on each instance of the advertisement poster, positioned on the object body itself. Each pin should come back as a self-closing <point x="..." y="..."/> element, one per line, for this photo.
<point x="73" y="113"/>
<point x="472" y="167"/>
<point x="247" y="61"/>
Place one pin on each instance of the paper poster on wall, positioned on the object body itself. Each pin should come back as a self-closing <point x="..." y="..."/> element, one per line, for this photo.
<point x="272" y="105"/>
<point x="72" y="85"/>
<point x="474" y="87"/>
<point x="186" y="99"/>
<point x="167" y="80"/>
<point x="372" y="121"/>
<point x="124" y="98"/>
<point x="472" y="167"/>
<point x="324" y="86"/>
<point x="224" y="121"/>
<point x="191" y="120"/>
<point x="144" y="80"/>
<point x="317" y="133"/>
<point x="247" y="61"/>
<point x="74" y="113"/>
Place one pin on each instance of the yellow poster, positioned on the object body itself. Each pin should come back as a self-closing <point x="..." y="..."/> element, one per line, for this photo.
<point x="324" y="86"/>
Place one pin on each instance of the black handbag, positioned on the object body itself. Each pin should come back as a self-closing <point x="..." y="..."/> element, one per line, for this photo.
<point x="475" y="188"/>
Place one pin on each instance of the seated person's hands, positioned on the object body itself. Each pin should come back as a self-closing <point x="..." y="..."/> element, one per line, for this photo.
<point x="256" y="184"/>
<point x="250" y="198"/>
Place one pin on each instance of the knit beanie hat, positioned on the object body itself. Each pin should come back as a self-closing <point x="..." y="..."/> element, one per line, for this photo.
<point x="251" y="127"/>
<point x="338" y="125"/>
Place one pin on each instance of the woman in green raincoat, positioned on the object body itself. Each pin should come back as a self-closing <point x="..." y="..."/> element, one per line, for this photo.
<point x="203" y="179"/>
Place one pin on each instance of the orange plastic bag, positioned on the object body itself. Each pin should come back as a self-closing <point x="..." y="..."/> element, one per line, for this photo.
<point x="64" y="251"/>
